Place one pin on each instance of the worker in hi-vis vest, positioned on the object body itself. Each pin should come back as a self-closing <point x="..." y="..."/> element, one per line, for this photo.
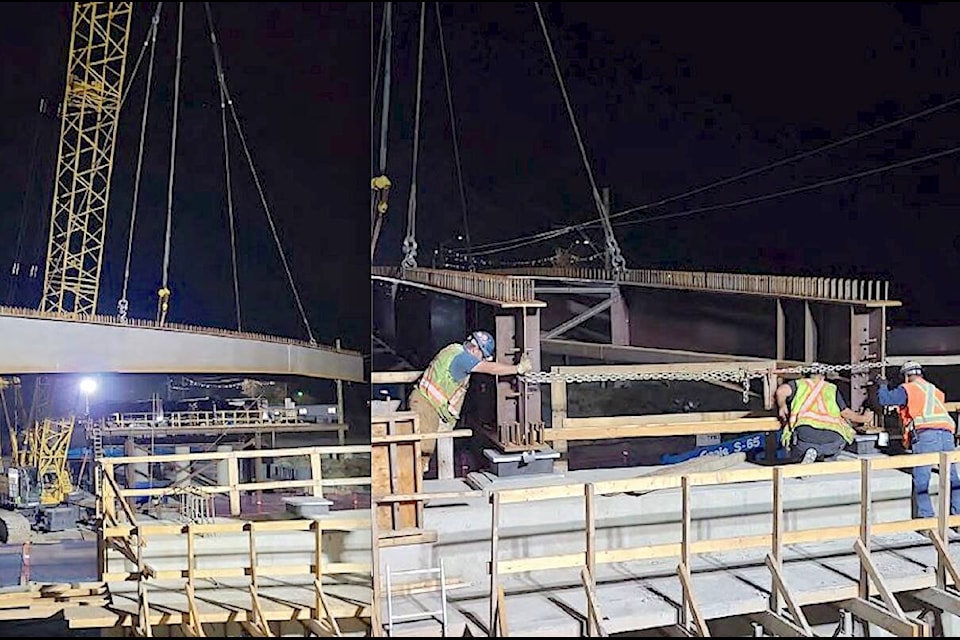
<point x="438" y="397"/>
<point x="927" y="428"/>
<point x="815" y="417"/>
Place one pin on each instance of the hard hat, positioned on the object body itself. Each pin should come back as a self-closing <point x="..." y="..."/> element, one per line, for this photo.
<point x="484" y="342"/>
<point x="911" y="368"/>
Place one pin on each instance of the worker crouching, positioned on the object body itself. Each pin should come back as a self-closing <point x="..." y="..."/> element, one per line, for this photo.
<point x="816" y="418"/>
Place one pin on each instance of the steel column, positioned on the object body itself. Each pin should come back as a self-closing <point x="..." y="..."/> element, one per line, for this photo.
<point x="518" y="333"/>
<point x="619" y="319"/>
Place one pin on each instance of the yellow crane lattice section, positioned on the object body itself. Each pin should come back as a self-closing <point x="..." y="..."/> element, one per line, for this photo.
<point x="88" y="130"/>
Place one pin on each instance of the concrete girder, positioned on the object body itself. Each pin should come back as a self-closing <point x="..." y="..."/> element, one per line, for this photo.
<point x="37" y="345"/>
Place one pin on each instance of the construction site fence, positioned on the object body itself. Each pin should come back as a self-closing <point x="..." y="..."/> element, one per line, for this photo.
<point x="589" y="557"/>
<point x="20" y="312"/>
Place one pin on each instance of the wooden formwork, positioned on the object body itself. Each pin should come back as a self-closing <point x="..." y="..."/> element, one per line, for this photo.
<point x="260" y="575"/>
<point x="396" y="470"/>
<point x="888" y="614"/>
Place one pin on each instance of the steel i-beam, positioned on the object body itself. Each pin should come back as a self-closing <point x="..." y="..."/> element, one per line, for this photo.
<point x="518" y="404"/>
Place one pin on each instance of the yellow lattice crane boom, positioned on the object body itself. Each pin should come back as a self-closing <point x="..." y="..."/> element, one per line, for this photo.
<point x="88" y="130"/>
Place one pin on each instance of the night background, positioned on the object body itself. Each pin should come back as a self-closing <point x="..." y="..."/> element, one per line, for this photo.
<point x="671" y="97"/>
<point x="298" y="74"/>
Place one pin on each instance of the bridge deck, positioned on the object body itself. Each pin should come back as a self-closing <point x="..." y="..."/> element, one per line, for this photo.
<point x="34" y="342"/>
<point x="647" y="595"/>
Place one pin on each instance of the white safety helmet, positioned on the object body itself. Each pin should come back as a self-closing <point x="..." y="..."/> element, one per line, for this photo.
<point x="911" y="368"/>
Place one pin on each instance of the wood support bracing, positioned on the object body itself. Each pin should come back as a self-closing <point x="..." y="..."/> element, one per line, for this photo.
<point x="193" y="628"/>
<point x="690" y="603"/>
<point x="258" y="627"/>
<point x="595" y="626"/>
<point x="891" y="617"/>
<point x="773" y="620"/>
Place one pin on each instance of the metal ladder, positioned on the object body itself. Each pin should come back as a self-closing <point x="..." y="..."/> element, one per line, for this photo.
<point x="97" y="442"/>
<point x="420" y="615"/>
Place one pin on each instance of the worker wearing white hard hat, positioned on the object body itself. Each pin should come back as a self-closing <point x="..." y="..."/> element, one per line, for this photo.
<point x="927" y="428"/>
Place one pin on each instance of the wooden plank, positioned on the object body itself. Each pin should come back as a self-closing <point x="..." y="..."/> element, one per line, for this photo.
<point x="586" y="429"/>
<point x="327" y="613"/>
<point x="668" y="418"/>
<point x="395" y="377"/>
<point x="259" y="626"/>
<point x="595" y="625"/>
<point x="780" y="586"/>
<point x="941" y="599"/>
<point x="298" y="452"/>
<point x="423" y="537"/>
<point x="494" y="567"/>
<point x="432" y="495"/>
<point x="779" y="627"/>
<point x="419" y="437"/>
<point x="699" y="623"/>
<point x="502" y="613"/>
<point x="590" y="570"/>
<point x="944" y="558"/>
<point x="558" y="418"/>
<point x="875" y="614"/>
<point x="903" y="526"/>
<point x="888" y="597"/>
<point x="686" y="533"/>
<point x="196" y="629"/>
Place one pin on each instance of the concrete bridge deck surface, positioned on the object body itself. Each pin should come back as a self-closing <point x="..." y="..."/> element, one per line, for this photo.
<point x="642" y="595"/>
<point x="637" y="596"/>
<point x="43" y="343"/>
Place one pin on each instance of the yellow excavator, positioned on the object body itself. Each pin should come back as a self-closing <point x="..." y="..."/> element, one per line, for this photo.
<point x="35" y="480"/>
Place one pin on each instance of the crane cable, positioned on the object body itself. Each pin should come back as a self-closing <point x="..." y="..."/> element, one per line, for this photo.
<point x="553" y="233"/>
<point x="410" y="242"/>
<point x="380" y="185"/>
<point x="24" y="221"/>
<point x="263" y="201"/>
<point x="122" y="304"/>
<point x="454" y="135"/>
<point x="617" y="261"/>
<point x="226" y="161"/>
<point x="163" y="294"/>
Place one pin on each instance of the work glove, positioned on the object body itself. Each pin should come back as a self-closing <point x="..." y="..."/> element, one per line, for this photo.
<point x="524" y="366"/>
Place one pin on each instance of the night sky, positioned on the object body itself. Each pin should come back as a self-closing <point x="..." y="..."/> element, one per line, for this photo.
<point x="299" y="75"/>
<point x="670" y="97"/>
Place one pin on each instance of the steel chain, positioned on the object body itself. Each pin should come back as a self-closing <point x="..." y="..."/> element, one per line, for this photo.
<point x="739" y="375"/>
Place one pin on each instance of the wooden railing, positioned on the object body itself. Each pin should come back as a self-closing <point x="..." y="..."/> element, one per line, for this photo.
<point x="193" y="419"/>
<point x="589" y="557"/>
<point x="234" y="487"/>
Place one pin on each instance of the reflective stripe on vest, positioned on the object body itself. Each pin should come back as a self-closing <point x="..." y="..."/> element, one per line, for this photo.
<point x="815" y="407"/>
<point x="932" y="412"/>
<point x="438" y="386"/>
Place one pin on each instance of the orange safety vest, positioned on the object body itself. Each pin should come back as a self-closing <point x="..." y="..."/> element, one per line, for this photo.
<point x="925" y="409"/>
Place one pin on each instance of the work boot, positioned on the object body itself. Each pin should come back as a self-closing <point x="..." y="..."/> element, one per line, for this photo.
<point x="809" y="456"/>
